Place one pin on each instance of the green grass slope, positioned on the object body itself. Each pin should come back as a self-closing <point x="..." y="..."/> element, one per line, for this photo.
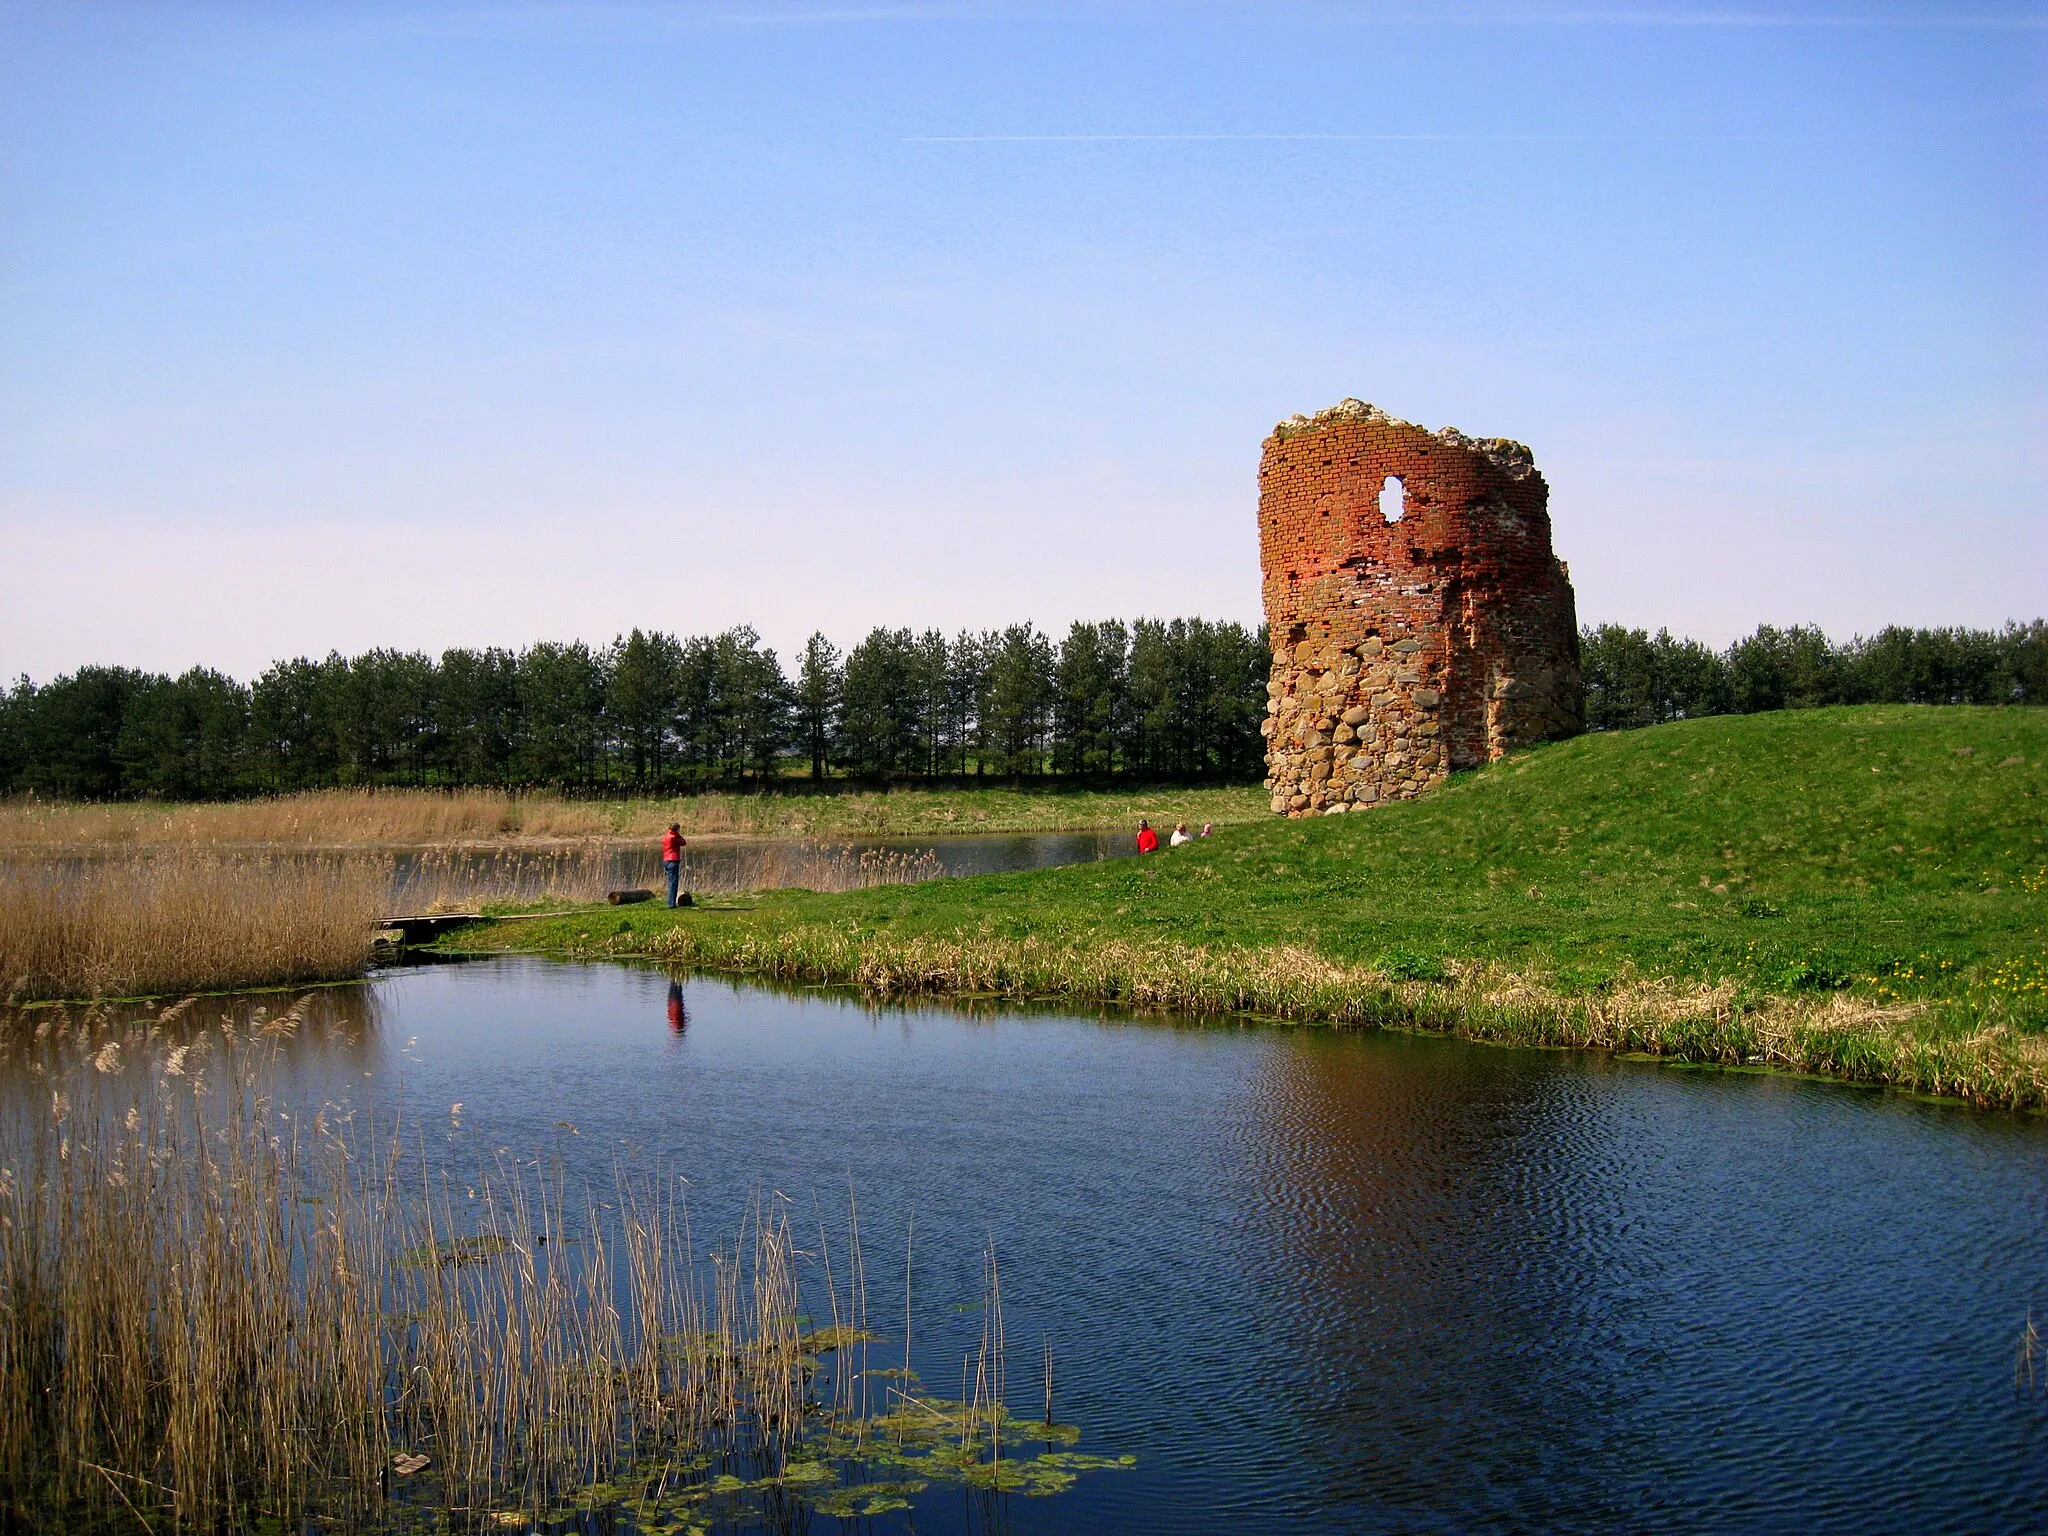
<point x="1854" y="839"/>
<point x="1892" y="859"/>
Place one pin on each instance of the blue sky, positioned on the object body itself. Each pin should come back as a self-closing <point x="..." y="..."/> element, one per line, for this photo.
<point x="331" y="326"/>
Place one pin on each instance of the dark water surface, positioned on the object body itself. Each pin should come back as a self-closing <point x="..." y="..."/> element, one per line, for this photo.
<point x="1323" y="1282"/>
<point x="1313" y="1282"/>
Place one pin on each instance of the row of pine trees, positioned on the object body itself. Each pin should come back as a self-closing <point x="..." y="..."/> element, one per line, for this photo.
<point x="1635" y="678"/>
<point x="1154" y="700"/>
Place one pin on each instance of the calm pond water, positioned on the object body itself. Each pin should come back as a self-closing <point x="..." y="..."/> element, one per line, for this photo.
<point x="740" y="864"/>
<point x="583" y="872"/>
<point x="1320" y="1282"/>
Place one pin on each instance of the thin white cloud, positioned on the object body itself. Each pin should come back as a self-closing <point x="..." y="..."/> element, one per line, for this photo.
<point x="1226" y="138"/>
<point x="686" y="16"/>
<point x="1671" y="16"/>
<point x="671" y="17"/>
<point x="1769" y="19"/>
<point x="1459" y="138"/>
<point x="839" y="15"/>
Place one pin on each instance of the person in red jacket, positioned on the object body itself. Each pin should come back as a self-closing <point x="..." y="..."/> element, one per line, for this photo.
<point x="1148" y="840"/>
<point x="672" y="844"/>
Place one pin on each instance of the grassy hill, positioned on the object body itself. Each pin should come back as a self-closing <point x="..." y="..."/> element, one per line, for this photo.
<point x="1860" y="890"/>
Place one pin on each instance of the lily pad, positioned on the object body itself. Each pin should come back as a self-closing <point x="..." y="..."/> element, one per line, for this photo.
<point x="463" y="1250"/>
<point x="838" y="1336"/>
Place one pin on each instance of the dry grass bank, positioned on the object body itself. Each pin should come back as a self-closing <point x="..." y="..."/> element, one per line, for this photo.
<point x="150" y="926"/>
<point x="324" y="818"/>
<point x="1904" y="1045"/>
<point x="425" y="818"/>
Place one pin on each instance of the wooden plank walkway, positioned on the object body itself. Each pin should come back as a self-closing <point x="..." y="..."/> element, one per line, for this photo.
<point x="425" y="927"/>
<point x="422" y="927"/>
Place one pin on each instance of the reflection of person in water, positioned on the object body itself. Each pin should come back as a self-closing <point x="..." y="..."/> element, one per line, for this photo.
<point x="678" y="1015"/>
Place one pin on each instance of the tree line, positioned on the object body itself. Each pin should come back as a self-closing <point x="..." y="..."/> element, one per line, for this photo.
<point x="1635" y="678"/>
<point x="1153" y="700"/>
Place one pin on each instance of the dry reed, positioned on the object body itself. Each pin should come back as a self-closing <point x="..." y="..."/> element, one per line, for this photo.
<point x="810" y="867"/>
<point x="336" y="818"/>
<point x="315" y="819"/>
<point x="452" y="880"/>
<point x="179" y="920"/>
<point x="150" y="926"/>
<point x="216" y="1314"/>
<point x="443" y="880"/>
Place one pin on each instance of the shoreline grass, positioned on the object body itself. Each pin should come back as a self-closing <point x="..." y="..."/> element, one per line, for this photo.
<point x="407" y="818"/>
<point x="1841" y="1035"/>
<point x="1858" y="893"/>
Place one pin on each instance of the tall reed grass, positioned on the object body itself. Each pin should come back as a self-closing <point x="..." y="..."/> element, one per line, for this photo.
<point x="423" y="817"/>
<point x="178" y="920"/>
<point x="191" y="922"/>
<point x="809" y="867"/>
<point x="219" y="1314"/>
<point x="314" y="819"/>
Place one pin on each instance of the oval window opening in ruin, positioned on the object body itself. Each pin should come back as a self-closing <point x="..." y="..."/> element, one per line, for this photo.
<point x="1393" y="499"/>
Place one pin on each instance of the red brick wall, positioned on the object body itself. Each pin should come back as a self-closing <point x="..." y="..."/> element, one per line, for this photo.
<point x="1404" y="649"/>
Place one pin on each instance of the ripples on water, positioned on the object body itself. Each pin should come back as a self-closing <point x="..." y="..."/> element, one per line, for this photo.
<point x="1327" y="1283"/>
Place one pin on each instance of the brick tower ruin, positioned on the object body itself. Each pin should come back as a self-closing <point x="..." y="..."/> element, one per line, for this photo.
<point x="1437" y="634"/>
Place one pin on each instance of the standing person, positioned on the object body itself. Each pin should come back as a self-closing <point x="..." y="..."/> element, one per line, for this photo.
<point x="1180" y="835"/>
<point x="672" y="844"/>
<point x="1148" y="840"/>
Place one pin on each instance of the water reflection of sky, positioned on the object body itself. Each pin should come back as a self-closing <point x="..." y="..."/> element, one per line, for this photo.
<point x="1323" y="1282"/>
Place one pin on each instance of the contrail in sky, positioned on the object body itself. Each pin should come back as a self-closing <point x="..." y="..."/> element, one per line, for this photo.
<point x="1224" y="138"/>
<point x="1459" y="138"/>
<point x="1481" y="16"/>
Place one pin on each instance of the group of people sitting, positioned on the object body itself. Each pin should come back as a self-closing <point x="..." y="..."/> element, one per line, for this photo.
<point x="1148" y="840"/>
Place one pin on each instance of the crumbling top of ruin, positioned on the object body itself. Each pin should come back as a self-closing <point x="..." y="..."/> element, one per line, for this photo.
<point x="1509" y="455"/>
